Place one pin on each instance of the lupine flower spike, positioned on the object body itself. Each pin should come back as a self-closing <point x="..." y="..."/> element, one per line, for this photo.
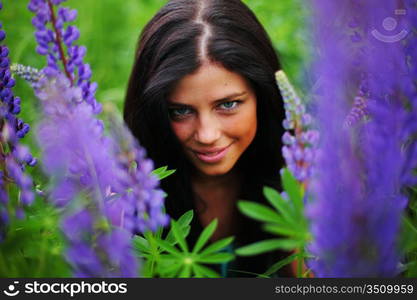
<point x="300" y="140"/>
<point x="57" y="44"/>
<point x="79" y="161"/>
<point x="103" y="184"/>
<point x="13" y="155"/>
<point x="360" y="170"/>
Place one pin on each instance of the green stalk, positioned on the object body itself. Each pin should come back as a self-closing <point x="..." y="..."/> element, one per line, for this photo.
<point x="155" y="254"/>
<point x="4" y="270"/>
<point x="300" y="262"/>
<point x="42" y="255"/>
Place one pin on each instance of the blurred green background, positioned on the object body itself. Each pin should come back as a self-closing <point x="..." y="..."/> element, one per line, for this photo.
<point x="110" y="29"/>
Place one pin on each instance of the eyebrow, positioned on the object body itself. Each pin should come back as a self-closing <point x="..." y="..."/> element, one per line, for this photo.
<point x="228" y="97"/>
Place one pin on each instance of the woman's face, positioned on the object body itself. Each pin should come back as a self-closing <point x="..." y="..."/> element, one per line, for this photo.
<point x="213" y="114"/>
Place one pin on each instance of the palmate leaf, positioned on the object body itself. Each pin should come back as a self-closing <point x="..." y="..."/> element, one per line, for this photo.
<point x="150" y="248"/>
<point x="286" y="220"/>
<point x="147" y="246"/>
<point x="170" y="257"/>
<point x="189" y="264"/>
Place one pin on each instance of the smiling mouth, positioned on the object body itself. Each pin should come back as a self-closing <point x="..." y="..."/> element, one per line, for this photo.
<point x="212" y="156"/>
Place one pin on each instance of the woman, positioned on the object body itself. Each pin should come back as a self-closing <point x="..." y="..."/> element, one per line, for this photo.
<point x="202" y="99"/>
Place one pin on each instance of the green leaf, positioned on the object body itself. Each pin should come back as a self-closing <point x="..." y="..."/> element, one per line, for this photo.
<point x="178" y="234"/>
<point x="186" y="218"/>
<point x="166" y="174"/>
<point x="280" y="204"/>
<point x="278" y="265"/>
<point x="216" y="258"/>
<point x="159" y="170"/>
<point x="287" y="231"/>
<point x="140" y="244"/>
<point x="171" y="238"/>
<point x="293" y="189"/>
<point x="185" y="272"/>
<point x="148" y="235"/>
<point x="204" y="271"/>
<point x="152" y="242"/>
<point x="169" y="269"/>
<point x="162" y="172"/>
<point x="258" y="211"/>
<point x="197" y="272"/>
<point x="218" y="245"/>
<point x="183" y="223"/>
<point x="169" y="248"/>
<point x="266" y="246"/>
<point x="160" y="229"/>
<point x="205" y="235"/>
<point x="410" y="225"/>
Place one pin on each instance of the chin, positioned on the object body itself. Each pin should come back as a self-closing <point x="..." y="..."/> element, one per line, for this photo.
<point x="215" y="170"/>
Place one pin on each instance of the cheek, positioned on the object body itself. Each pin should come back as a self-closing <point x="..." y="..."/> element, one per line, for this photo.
<point x="182" y="130"/>
<point x="244" y="125"/>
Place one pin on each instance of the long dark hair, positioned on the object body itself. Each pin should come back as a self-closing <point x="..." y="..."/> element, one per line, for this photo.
<point x="175" y="42"/>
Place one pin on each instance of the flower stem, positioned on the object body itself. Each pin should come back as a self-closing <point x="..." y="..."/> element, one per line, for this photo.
<point x="300" y="263"/>
<point x="59" y="42"/>
<point x="42" y="254"/>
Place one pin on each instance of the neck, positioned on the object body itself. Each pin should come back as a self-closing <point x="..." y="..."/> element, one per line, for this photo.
<point x="212" y="191"/>
<point x="216" y="197"/>
<point x="203" y="180"/>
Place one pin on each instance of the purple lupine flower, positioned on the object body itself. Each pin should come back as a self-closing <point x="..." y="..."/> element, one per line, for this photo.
<point x="57" y="44"/>
<point x="410" y="90"/>
<point x="80" y="161"/>
<point x="140" y="188"/>
<point x="299" y="138"/>
<point x="6" y="94"/>
<point x="13" y="155"/>
<point x="4" y="216"/>
<point x="357" y="205"/>
<point x="93" y="178"/>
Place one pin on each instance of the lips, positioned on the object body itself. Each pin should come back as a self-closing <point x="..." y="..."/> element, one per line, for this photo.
<point x="212" y="155"/>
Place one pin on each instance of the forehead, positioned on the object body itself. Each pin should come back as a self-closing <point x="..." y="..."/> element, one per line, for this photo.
<point x="209" y="83"/>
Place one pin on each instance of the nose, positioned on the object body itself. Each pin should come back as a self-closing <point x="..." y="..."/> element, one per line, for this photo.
<point x="208" y="130"/>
